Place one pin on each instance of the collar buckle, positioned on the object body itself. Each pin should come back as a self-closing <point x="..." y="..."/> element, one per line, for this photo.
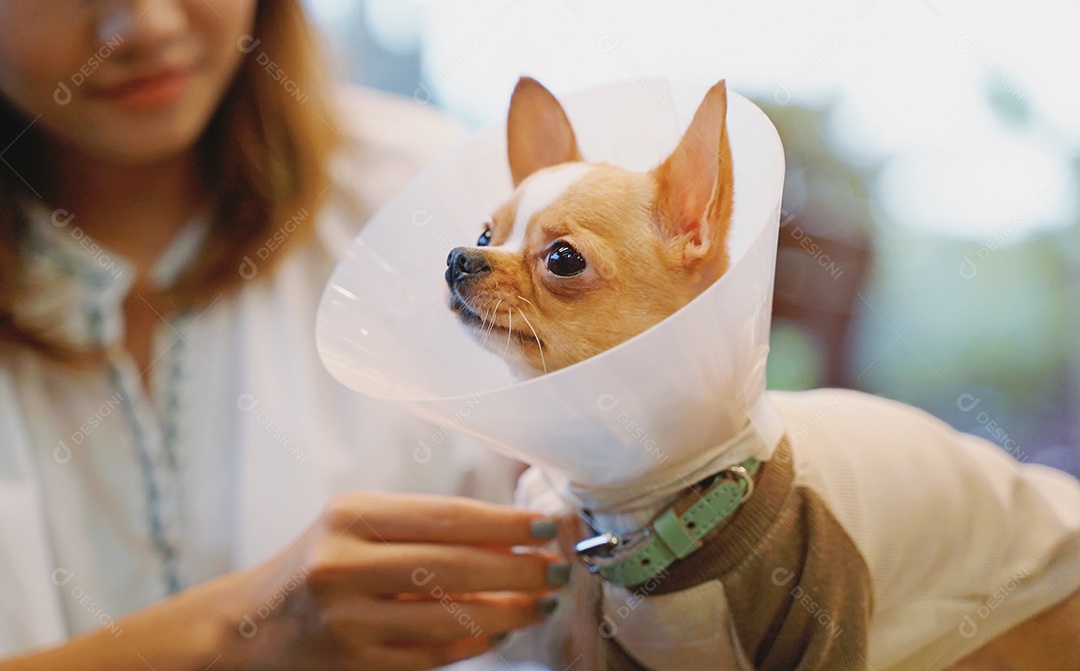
<point x="741" y="474"/>
<point x="638" y="556"/>
<point x="602" y="544"/>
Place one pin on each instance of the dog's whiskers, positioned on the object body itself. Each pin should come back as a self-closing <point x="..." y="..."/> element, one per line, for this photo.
<point x="509" y="330"/>
<point x="488" y="325"/>
<point x="539" y="345"/>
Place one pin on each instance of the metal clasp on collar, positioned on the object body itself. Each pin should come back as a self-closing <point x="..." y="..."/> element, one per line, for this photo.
<point x="603" y="543"/>
<point x="741" y="473"/>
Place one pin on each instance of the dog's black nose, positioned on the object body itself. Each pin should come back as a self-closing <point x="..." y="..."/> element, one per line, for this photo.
<point x="465" y="263"/>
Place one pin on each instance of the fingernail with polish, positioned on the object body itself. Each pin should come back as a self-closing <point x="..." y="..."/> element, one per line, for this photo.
<point x="547" y="605"/>
<point x="545" y="529"/>
<point x="558" y="574"/>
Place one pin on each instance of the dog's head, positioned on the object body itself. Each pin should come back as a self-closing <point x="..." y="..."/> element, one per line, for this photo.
<point x="586" y="255"/>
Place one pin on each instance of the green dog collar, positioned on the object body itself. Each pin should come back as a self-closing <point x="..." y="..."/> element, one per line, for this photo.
<point x="640" y="556"/>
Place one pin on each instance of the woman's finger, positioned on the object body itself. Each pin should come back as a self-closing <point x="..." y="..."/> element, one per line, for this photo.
<point x="418" y="657"/>
<point x="437" y="519"/>
<point x="423" y="568"/>
<point x="445" y="620"/>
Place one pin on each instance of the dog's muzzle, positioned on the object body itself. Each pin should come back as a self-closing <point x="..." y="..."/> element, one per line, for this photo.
<point x="464" y="264"/>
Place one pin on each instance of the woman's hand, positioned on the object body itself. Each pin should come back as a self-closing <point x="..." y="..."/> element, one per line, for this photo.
<point x="379" y="582"/>
<point x="384" y="581"/>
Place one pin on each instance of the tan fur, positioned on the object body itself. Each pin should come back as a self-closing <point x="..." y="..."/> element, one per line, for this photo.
<point x="697" y="181"/>
<point x="652" y="240"/>
<point x="1050" y="641"/>
<point x="538" y="132"/>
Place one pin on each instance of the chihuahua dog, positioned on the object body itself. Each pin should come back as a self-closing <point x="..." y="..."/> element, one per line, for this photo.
<point x="804" y="575"/>
<point x="557" y="264"/>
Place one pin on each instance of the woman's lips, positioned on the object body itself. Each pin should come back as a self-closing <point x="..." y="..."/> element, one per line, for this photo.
<point x="148" y="94"/>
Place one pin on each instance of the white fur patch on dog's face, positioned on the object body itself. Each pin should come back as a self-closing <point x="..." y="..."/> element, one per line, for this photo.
<point x="538" y="192"/>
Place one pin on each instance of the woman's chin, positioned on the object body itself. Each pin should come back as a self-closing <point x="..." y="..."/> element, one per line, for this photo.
<point x="125" y="137"/>
<point x="140" y="147"/>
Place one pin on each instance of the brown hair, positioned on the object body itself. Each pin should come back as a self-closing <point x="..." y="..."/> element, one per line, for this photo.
<point x="264" y="158"/>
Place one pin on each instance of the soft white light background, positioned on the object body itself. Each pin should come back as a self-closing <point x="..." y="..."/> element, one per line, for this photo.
<point x="961" y="118"/>
<point x="912" y="79"/>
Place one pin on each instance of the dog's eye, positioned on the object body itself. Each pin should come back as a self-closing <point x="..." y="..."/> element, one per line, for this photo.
<point x="485" y="238"/>
<point x="564" y="261"/>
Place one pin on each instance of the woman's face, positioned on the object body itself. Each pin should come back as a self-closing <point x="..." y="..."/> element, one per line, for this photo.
<point x="125" y="81"/>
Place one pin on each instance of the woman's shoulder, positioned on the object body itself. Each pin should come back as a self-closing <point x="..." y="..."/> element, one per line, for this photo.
<point x="387" y="139"/>
<point x="380" y="118"/>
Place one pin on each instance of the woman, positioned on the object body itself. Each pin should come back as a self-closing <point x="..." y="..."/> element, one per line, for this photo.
<point x="175" y="186"/>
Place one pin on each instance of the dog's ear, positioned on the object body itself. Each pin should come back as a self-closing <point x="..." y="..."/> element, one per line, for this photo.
<point x="694" y="200"/>
<point x="538" y="133"/>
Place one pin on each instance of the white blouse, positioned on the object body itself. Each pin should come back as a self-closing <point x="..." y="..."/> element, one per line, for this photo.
<point x="112" y="498"/>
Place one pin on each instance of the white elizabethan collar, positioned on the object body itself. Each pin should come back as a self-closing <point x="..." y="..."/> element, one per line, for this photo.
<point x="662" y="401"/>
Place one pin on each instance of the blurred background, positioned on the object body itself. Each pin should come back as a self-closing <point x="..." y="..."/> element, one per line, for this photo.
<point x="930" y="240"/>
